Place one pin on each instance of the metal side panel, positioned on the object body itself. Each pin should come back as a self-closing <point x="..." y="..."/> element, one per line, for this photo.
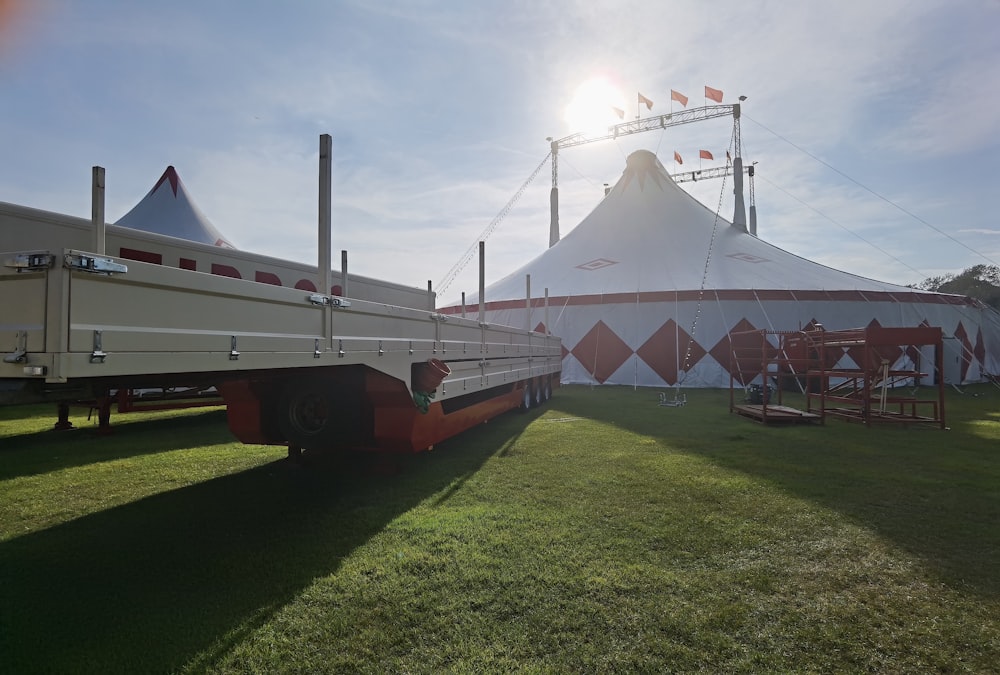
<point x="147" y="314"/>
<point x="106" y="318"/>
<point x="159" y="319"/>
<point x="387" y="322"/>
<point x="22" y="311"/>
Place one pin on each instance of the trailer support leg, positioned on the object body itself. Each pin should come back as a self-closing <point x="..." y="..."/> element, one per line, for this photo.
<point x="104" y="415"/>
<point x="62" y="421"/>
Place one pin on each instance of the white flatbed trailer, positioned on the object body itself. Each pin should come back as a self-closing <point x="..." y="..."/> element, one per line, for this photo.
<point x="296" y="367"/>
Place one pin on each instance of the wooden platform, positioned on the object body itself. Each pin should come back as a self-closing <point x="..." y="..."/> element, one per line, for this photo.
<point x="775" y="414"/>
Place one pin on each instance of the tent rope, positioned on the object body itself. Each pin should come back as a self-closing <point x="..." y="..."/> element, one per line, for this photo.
<point x="704" y="279"/>
<point x="464" y="260"/>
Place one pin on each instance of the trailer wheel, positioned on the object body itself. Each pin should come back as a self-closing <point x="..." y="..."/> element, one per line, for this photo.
<point x="527" y="399"/>
<point x="309" y="415"/>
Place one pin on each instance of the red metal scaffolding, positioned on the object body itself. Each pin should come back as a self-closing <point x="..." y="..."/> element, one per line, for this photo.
<point x="880" y="386"/>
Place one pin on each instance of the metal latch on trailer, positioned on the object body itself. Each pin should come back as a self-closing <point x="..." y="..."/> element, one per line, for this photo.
<point x="30" y="262"/>
<point x="98" y="354"/>
<point x="318" y="299"/>
<point x="20" y="348"/>
<point x="86" y="263"/>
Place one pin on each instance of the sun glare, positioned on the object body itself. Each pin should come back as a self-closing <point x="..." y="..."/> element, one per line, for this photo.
<point x="592" y="109"/>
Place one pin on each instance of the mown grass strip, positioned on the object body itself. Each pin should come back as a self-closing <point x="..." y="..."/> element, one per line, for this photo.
<point x="602" y="533"/>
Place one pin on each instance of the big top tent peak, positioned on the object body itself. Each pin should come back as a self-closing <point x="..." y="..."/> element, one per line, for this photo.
<point x="168" y="209"/>
<point x="651" y="286"/>
<point x="648" y="233"/>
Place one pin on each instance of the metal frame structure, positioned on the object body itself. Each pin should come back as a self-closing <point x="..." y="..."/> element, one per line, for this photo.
<point x="752" y="353"/>
<point x="637" y="126"/>
<point x="869" y="392"/>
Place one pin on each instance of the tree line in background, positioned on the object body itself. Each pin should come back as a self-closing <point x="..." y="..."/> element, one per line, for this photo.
<point x="979" y="281"/>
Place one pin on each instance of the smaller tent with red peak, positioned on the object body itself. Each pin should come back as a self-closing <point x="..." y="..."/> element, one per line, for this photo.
<point x="167" y="209"/>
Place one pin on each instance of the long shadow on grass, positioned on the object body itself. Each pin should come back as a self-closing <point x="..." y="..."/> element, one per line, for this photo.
<point x="933" y="493"/>
<point x="176" y="578"/>
<point x="45" y="451"/>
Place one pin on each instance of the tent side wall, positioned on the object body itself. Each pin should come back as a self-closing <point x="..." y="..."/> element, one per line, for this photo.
<point x="650" y="343"/>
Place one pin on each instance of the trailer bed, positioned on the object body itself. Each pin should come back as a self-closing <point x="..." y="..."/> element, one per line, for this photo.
<point x="78" y="325"/>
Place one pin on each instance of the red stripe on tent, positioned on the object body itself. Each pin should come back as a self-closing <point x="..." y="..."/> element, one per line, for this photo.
<point x="779" y="295"/>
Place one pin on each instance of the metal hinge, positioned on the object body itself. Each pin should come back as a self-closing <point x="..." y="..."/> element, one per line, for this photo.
<point x="29" y="262"/>
<point x="319" y="299"/>
<point x="86" y="263"/>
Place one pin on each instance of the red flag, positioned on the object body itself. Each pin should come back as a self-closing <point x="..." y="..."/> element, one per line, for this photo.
<point x="643" y="99"/>
<point x="705" y="154"/>
<point x="619" y="112"/>
<point x="714" y="94"/>
<point x="679" y="97"/>
<point x="677" y="157"/>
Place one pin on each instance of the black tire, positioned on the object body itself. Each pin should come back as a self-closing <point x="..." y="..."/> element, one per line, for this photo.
<point x="310" y="415"/>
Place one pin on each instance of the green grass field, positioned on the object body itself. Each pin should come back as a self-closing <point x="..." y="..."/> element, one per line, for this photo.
<point x="601" y="533"/>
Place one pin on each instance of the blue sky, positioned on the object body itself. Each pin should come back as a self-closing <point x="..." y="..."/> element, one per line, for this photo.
<point x="439" y="112"/>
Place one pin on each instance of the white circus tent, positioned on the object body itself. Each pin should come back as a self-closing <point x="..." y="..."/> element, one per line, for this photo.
<point x="168" y="209"/>
<point x="650" y="288"/>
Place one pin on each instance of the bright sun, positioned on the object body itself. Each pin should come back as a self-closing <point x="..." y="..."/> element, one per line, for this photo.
<point x="592" y="108"/>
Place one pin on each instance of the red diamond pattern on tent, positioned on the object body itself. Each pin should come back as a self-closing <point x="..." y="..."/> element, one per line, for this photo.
<point x="667" y="346"/>
<point x="601" y="352"/>
<point x="540" y="328"/>
<point x="966" y="355"/>
<point x="745" y="343"/>
<point x="913" y="352"/>
<point x="890" y="353"/>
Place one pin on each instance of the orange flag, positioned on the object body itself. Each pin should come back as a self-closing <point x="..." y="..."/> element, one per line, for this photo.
<point x="714" y="94"/>
<point x="677" y="157"/>
<point x="619" y="112"/>
<point x="643" y="99"/>
<point x="705" y="154"/>
<point x="679" y="97"/>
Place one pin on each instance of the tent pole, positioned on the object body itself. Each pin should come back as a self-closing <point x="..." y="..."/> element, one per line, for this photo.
<point x="554" y="196"/>
<point x="548" y="330"/>
<point x="527" y="302"/>
<point x="482" y="302"/>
